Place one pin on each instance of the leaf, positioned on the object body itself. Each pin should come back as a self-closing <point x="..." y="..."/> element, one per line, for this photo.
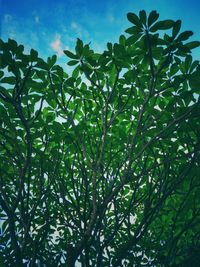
<point x="133" y="30"/>
<point x="194" y="65"/>
<point x="79" y="47"/>
<point x="72" y="62"/>
<point x="9" y="80"/>
<point x="4" y="92"/>
<point x="132" y="39"/>
<point x="12" y="45"/>
<point x="143" y="17"/>
<point x="75" y="72"/>
<point x="70" y="54"/>
<point x="188" y="61"/>
<point x="118" y="49"/>
<point x="1" y="73"/>
<point x="153" y="16"/>
<point x="184" y="36"/>
<point x="194" y="80"/>
<point x="133" y="18"/>
<point x="162" y="25"/>
<point x="70" y="81"/>
<point x="42" y="64"/>
<point x="174" y="69"/>
<point x="33" y="55"/>
<point x="192" y="45"/>
<point x="176" y="28"/>
<point x="51" y="60"/>
<point x="109" y="46"/>
<point x="122" y="40"/>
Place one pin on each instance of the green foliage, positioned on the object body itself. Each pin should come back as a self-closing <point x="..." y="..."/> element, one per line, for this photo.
<point x="102" y="167"/>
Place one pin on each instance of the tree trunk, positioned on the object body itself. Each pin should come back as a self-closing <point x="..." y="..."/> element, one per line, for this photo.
<point x="71" y="256"/>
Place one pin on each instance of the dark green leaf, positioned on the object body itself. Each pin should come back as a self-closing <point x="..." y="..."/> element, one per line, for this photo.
<point x="188" y="61"/>
<point x="133" y="18"/>
<point x="79" y="47"/>
<point x="75" y="72"/>
<point x="122" y="40"/>
<point x="192" y="45"/>
<point x="132" y="39"/>
<point x="194" y="80"/>
<point x="162" y="25"/>
<point x="143" y="17"/>
<point x="9" y="80"/>
<point x="51" y="60"/>
<point x="70" y="81"/>
<point x="184" y="36"/>
<point x="70" y="54"/>
<point x="33" y="55"/>
<point x="12" y="45"/>
<point x="42" y="64"/>
<point x="72" y="62"/>
<point x="153" y="16"/>
<point x="176" y="28"/>
<point x="133" y="30"/>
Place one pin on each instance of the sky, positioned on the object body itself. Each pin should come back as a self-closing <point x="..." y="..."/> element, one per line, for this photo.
<point x="50" y="26"/>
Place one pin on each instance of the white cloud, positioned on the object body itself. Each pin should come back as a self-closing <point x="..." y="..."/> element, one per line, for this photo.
<point x="76" y="28"/>
<point x="74" y="25"/>
<point x="37" y="19"/>
<point x="110" y="18"/>
<point x="7" y="18"/>
<point x="56" y="45"/>
<point x="79" y="31"/>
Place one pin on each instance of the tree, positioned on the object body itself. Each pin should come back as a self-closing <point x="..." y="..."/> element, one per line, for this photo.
<point x="101" y="167"/>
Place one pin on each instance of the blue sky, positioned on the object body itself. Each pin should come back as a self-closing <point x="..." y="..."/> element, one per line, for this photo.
<point x="50" y="26"/>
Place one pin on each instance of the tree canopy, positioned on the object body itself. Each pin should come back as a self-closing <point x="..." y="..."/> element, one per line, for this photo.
<point x="101" y="167"/>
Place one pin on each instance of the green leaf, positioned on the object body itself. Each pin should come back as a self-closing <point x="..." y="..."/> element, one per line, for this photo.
<point x="194" y="80"/>
<point x="33" y="55"/>
<point x="184" y="36"/>
<point x="1" y="73"/>
<point x="162" y="25"/>
<point x="122" y="40"/>
<point x="75" y="72"/>
<point x="70" y="54"/>
<point x="133" y="30"/>
<point x="79" y="47"/>
<point x="143" y="17"/>
<point x="188" y="61"/>
<point x="86" y="51"/>
<point x="176" y="28"/>
<point x="109" y="46"/>
<point x="51" y="60"/>
<point x="42" y="64"/>
<point x="70" y="81"/>
<point x="153" y="16"/>
<point x="4" y="91"/>
<point x="192" y="45"/>
<point x="72" y="62"/>
<point x="132" y="39"/>
<point x="9" y="80"/>
<point x="194" y="65"/>
<point x="12" y="45"/>
<point x="133" y="18"/>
